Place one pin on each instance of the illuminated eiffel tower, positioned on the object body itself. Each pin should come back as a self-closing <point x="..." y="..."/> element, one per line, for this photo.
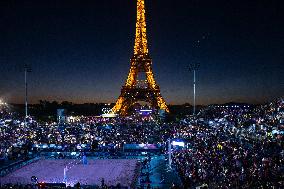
<point x="135" y="90"/>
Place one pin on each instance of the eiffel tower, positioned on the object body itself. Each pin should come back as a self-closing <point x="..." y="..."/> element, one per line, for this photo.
<point x="136" y="90"/>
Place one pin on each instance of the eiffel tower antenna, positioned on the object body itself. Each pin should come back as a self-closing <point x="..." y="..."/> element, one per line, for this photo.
<point x="141" y="62"/>
<point x="141" y="44"/>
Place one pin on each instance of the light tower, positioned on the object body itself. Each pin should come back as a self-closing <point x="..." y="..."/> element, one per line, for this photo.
<point x="193" y="67"/>
<point x="28" y="69"/>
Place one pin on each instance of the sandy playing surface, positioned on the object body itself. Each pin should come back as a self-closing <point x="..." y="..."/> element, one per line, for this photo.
<point x="113" y="171"/>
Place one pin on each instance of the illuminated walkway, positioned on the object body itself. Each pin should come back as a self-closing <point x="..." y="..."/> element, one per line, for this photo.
<point x="160" y="175"/>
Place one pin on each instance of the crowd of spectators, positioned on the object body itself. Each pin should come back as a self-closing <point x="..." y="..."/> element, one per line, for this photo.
<point x="218" y="159"/>
<point x="19" y="139"/>
<point x="229" y="152"/>
<point x="227" y="145"/>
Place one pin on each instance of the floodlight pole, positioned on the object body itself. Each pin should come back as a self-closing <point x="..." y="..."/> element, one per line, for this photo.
<point x="26" y="95"/>
<point x="194" y="92"/>
<point x="194" y="67"/>
<point x="27" y="69"/>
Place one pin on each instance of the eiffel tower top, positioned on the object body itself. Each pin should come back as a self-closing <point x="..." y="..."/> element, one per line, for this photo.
<point x="141" y="44"/>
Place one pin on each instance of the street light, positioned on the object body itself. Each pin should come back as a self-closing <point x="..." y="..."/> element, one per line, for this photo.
<point x="194" y="67"/>
<point x="28" y="69"/>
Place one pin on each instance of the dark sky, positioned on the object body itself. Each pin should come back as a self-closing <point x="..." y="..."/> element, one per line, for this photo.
<point x="80" y="50"/>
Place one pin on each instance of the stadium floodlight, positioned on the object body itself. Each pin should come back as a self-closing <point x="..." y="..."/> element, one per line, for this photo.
<point x="194" y="67"/>
<point x="2" y="102"/>
<point x="28" y="69"/>
<point x="178" y="143"/>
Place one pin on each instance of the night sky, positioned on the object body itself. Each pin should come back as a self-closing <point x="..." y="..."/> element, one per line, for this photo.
<point x="80" y="50"/>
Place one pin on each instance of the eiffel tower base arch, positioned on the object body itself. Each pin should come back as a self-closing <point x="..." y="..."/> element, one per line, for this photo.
<point x="129" y="97"/>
